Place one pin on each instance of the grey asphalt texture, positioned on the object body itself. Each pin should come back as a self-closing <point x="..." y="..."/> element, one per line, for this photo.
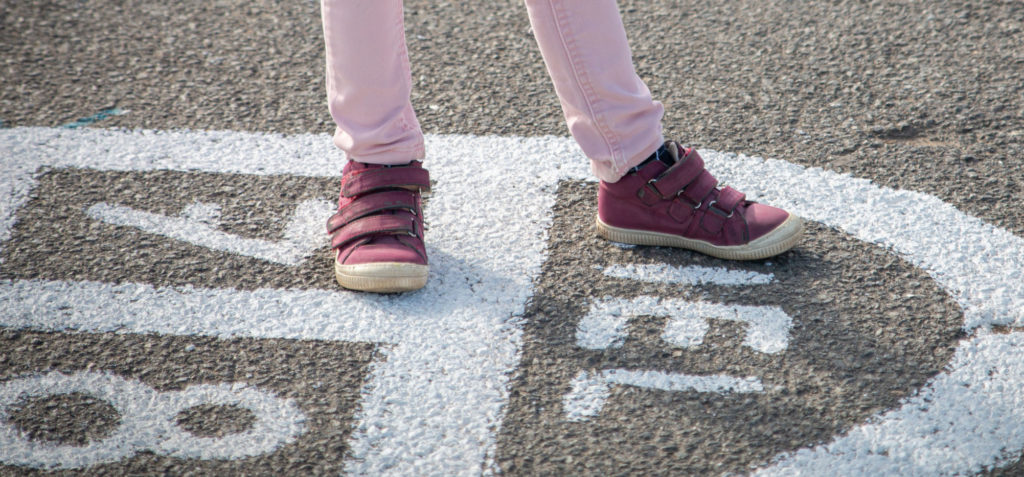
<point x="925" y="96"/>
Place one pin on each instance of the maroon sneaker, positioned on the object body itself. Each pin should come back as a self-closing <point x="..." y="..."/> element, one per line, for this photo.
<point x="377" y="233"/>
<point x="675" y="202"/>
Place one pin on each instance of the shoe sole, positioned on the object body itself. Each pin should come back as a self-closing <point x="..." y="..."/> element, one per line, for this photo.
<point x="384" y="277"/>
<point x="783" y="238"/>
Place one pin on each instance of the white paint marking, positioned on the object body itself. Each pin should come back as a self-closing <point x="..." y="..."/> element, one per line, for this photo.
<point x="206" y="214"/>
<point x="587" y="396"/>
<point x="689" y="275"/>
<point x="685" y="330"/>
<point x="148" y="421"/>
<point x="223" y="313"/>
<point x="591" y="390"/>
<point x="606" y="324"/>
<point x="767" y="327"/>
<point x="198" y="225"/>
<point x="980" y="265"/>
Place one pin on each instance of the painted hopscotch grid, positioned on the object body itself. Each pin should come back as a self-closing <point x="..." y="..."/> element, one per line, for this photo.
<point x="974" y="262"/>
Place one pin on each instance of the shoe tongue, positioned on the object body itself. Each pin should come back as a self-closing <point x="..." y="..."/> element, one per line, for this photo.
<point x="669" y="153"/>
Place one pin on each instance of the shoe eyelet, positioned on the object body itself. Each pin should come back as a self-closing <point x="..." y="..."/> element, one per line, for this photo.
<point x="651" y="184"/>
<point x="719" y="212"/>
<point x="687" y="200"/>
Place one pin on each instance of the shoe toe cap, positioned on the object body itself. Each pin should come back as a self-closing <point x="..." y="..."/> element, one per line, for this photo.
<point x="384" y="251"/>
<point x="763" y="219"/>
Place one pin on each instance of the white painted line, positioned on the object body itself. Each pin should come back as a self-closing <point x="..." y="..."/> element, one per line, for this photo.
<point x="591" y="390"/>
<point x="147" y="421"/>
<point x="25" y="150"/>
<point x="606" y="324"/>
<point x="688" y="275"/>
<point x="485" y="281"/>
<point x="948" y="428"/>
<point x="189" y="311"/>
<point x="198" y="225"/>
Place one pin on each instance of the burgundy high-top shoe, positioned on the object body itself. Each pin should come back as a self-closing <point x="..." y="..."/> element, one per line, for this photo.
<point x="377" y="233"/>
<point x="674" y="202"/>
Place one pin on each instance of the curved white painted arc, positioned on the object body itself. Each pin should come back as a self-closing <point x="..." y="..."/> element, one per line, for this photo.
<point x="967" y="419"/>
<point x="980" y="265"/>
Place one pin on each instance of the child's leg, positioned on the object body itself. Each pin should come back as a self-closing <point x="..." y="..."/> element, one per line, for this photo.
<point x="377" y="233"/>
<point x="651" y="193"/>
<point x="608" y="108"/>
<point x="368" y="81"/>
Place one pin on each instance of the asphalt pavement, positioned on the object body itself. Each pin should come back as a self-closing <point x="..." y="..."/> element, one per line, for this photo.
<point x="919" y="96"/>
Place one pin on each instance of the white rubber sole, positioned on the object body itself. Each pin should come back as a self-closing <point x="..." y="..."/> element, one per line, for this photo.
<point x="783" y="238"/>
<point x="385" y="277"/>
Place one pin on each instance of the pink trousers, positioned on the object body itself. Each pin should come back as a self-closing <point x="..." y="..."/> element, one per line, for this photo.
<point x="608" y="109"/>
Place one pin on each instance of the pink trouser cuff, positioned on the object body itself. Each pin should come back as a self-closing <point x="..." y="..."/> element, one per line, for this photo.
<point x="608" y="108"/>
<point x="611" y="172"/>
<point x="388" y="156"/>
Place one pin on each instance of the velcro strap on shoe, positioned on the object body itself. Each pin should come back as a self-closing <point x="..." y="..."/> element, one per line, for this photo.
<point x="375" y="225"/>
<point x="696" y="191"/>
<point x="721" y="209"/>
<point x="384" y="178"/>
<point x="728" y="199"/>
<point x="683" y="172"/>
<point x="668" y="183"/>
<point x="371" y="204"/>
